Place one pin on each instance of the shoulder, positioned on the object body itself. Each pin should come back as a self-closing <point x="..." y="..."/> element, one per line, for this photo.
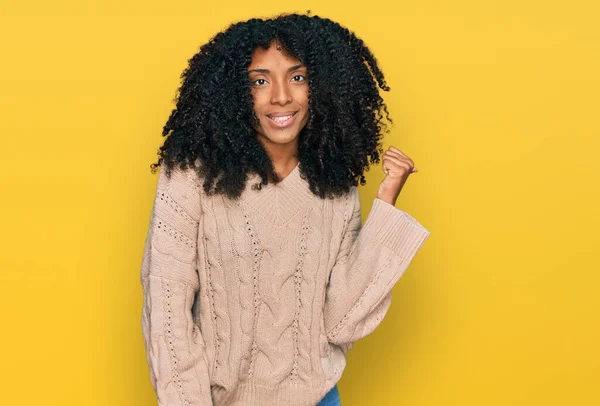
<point x="179" y="177"/>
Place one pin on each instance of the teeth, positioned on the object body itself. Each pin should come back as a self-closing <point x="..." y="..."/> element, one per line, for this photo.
<point x="281" y="119"/>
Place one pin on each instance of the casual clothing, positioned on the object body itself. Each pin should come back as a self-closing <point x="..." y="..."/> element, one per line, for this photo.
<point x="257" y="301"/>
<point x="331" y="399"/>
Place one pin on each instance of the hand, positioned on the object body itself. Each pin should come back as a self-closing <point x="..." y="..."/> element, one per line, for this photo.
<point x="397" y="168"/>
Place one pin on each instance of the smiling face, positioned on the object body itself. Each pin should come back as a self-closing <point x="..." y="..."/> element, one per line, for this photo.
<point x="279" y="85"/>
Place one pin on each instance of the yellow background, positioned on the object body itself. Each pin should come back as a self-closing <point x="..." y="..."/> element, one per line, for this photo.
<point x="495" y="101"/>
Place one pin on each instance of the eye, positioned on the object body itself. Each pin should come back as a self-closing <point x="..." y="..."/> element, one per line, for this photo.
<point x="301" y="76"/>
<point x="254" y="81"/>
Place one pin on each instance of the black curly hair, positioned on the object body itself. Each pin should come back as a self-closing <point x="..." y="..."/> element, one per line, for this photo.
<point x="213" y="124"/>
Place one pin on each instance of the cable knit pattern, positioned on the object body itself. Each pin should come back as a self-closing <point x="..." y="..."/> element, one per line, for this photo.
<point x="258" y="301"/>
<point x="174" y="344"/>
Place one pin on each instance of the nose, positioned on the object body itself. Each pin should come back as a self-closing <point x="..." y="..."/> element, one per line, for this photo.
<point x="280" y="93"/>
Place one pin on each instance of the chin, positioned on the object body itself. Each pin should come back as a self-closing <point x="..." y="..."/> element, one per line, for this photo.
<point x="276" y="138"/>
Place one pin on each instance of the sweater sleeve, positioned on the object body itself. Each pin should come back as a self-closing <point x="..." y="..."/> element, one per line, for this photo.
<point x="174" y="345"/>
<point x="372" y="258"/>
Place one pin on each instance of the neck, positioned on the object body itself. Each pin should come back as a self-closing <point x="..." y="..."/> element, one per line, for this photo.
<point x="283" y="156"/>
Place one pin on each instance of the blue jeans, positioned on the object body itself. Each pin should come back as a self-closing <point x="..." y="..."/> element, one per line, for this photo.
<point x="332" y="398"/>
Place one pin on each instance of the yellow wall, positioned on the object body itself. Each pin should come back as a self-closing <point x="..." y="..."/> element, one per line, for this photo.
<point x="495" y="101"/>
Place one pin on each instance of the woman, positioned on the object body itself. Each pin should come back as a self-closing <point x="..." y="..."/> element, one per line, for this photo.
<point x="257" y="274"/>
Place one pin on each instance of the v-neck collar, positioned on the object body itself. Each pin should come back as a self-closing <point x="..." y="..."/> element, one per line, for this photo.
<point x="278" y="203"/>
<point x="292" y="173"/>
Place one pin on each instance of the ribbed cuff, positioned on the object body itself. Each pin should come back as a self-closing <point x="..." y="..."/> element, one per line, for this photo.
<point x="395" y="228"/>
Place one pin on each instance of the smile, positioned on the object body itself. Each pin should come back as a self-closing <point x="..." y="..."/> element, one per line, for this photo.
<point x="283" y="121"/>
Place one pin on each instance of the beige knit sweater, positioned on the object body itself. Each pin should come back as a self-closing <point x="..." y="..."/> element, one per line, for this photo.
<point x="257" y="301"/>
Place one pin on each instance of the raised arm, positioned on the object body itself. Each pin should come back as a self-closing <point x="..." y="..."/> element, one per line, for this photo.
<point x="372" y="258"/>
<point x="174" y="344"/>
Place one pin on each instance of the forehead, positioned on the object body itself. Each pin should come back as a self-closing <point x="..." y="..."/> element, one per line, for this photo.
<point x="272" y="58"/>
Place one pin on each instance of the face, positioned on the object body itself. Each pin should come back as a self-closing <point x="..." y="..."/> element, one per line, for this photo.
<point x="279" y="85"/>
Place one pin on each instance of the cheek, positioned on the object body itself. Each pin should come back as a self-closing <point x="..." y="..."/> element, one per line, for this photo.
<point x="301" y="96"/>
<point x="258" y="99"/>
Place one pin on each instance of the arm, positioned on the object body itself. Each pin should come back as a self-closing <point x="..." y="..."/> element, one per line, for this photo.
<point x="372" y="258"/>
<point x="174" y="344"/>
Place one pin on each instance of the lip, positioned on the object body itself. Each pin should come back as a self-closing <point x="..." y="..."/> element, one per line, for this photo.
<point x="286" y="122"/>
<point x="282" y="113"/>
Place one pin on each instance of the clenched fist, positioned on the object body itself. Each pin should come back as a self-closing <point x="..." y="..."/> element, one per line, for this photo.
<point x="397" y="168"/>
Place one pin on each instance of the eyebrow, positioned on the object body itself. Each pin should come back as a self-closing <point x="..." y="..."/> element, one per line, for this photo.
<point x="268" y="71"/>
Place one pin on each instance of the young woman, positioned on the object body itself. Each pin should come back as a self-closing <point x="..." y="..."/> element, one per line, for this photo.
<point x="257" y="274"/>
